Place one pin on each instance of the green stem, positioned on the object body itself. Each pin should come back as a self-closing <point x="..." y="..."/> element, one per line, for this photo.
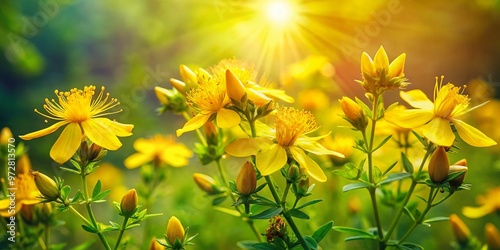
<point x="47" y="234"/>
<point x="432" y="195"/>
<point x="43" y="246"/>
<point x="74" y="211"/>
<point x="288" y="218"/>
<point x="285" y="194"/>
<point x="91" y="213"/>
<point x="122" y="230"/>
<point x="414" y="182"/>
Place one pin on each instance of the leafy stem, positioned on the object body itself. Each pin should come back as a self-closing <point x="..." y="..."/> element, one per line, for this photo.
<point x="122" y="230"/>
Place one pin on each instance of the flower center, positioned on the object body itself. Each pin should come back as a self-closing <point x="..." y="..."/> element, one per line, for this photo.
<point x="449" y="100"/>
<point x="210" y="95"/>
<point x="291" y="123"/>
<point x="77" y="105"/>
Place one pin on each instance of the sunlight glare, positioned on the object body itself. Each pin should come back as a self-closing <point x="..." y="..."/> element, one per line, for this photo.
<point x="279" y="12"/>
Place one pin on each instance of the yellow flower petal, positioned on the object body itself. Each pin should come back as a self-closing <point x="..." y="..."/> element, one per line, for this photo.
<point x="234" y="87"/>
<point x="5" y="210"/>
<point x="478" y="212"/>
<point x="271" y="159"/>
<point x="247" y="146"/>
<point x="101" y="134"/>
<point x="227" y="118"/>
<point x="67" y="143"/>
<point x="313" y="169"/>
<point x="381" y="60"/>
<point x="31" y="201"/>
<point x="144" y="145"/>
<point x="176" y="156"/>
<point x="472" y="135"/>
<point x="367" y="66"/>
<point x="411" y="118"/>
<point x="396" y="68"/>
<point x="438" y="131"/>
<point x="43" y="132"/>
<point x="119" y="129"/>
<point x="257" y="97"/>
<point x="137" y="159"/>
<point x="278" y="94"/>
<point x="316" y="148"/>
<point x="417" y="99"/>
<point x="194" y="123"/>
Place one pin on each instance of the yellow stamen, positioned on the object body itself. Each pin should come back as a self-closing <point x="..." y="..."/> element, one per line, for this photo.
<point x="209" y="96"/>
<point x="292" y="123"/>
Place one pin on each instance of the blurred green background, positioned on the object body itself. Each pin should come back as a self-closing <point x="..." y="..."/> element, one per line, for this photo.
<point x="132" y="46"/>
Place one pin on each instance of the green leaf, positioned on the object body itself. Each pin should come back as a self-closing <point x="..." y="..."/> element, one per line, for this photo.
<point x="78" y="196"/>
<point x="454" y="175"/>
<point x="260" y="187"/>
<point x="298" y="214"/>
<point x="406" y="163"/>
<point x="384" y="141"/>
<point x="420" y="139"/>
<point x="268" y="213"/>
<point x="65" y="192"/>
<point x="412" y="246"/>
<point x="436" y="219"/>
<point x="89" y="229"/>
<point x="408" y="212"/>
<point x="394" y="177"/>
<point x="101" y="195"/>
<point x="264" y="246"/>
<point x="357" y="185"/>
<point x="70" y="170"/>
<point x="309" y="203"/>
<point x="311" y="242"/>
<point x="321" y="232"/>
<point x="218" y="200"/>
<point x="353" y="231"/>
<point x="389" y="168"/>
<point x="263" y="201"/>
<point x="97" y="190"/>
<point x="360" y="237"/>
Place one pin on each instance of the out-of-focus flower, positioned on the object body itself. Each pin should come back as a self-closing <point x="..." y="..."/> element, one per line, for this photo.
<point x="492" y="237"/>
<point x="154" y="245"/>
<point x="434" y="118"/>
<point x="439" y="165"/>
<point x="83" y="116"/>
<point x="111" y="178"/>
<point x="5" y="135"/>
<point x="489" y="204"/>
<point x="26" y="193"/>
<point x="459" y="229"/>
<point x="379" y="75"/>
<point x="129" y="203"/>
<point x="288" y="138"/>
<point x="161" y="150"/>
<point x="175" y="230"/>
<point x="246" y="182"/>
<point x="313" y="99"/>
<point x="354" y="205"/>
<point x="208" y="101"/>
<point x="340" y="143"/>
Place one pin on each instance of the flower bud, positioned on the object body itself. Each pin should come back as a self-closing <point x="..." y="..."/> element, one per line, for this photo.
<point x="47" y="187"/>
<point x="154" y="245"/>
<point x="171" y="99"/>
<point x="246" y="182"/>
<point x="235" y="88"/>
<point x="439" y="165"/>
<point x="5" y="135"/>
<point x="129" y="203"/>
<point x="162" y="95"/>
<point x="460" y="230"/>
<point x="174" y="230"/>
<point x="211" y="133"/>
<point x="354" y="113"/>
<point x="205" y="183"/>
<point x="179" y="86"/>
<point x="303" y="186"/>
<point x="187" y="75"/>
<point x="458" y="167"/>
<point x="492" y="237"/>
<point x="294" y="172"/>
<point x="28" y="214"/>
<point x="45" y="212"/>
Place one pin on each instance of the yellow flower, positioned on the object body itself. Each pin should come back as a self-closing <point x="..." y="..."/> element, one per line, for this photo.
<point x="26" y="193"/>
<point x="434" y="118"/>
<point x="492" y="236"/>
<point x="379" y="75"/>
<point x="175" y="230"/>
<point x="489" y="204"/>
<point x="161" y="150"/>
<point x="154" y="245"/>
<point x="5" y="135"/>
<point x="459" y="229"/>
<point x="83" y="116"/>
<point x="288" y="138"/>
<point x="246" y="182"/>
<point x="208" y="100"/>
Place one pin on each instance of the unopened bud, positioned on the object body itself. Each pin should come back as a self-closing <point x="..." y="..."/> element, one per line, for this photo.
<point x="129" y="203"/>
<point x="294" y="172"/>
<point x="235" y="88"/>
<point x="303" y="186"/>
<point x="47" y="187"/>
<point x="458" y="167"/>
<point x="174" y="230"/>
<point x="492" y="237"/>
<point x="205" y="183"/>
<point x="246" y="182"/>
<point x="211" y="133"/>
<point x="187" y="75"/>
<point x="439" y="165"/>
<point x="45" y="213"/>
<point x="460" y="230"/>
<point x="5" y="136"/>
<point x="354" y="113"/>
<point x="154" y="245"/>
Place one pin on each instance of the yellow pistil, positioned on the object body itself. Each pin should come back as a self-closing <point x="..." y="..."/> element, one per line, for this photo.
<point x="83" y="116"/>
<point x="291" y="124"/>
<point x="449" y="100"/>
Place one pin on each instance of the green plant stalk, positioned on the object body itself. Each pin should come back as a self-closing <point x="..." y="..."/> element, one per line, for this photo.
<point x="47" y="234"/>
<point x="285" y="194"/>
<point x="122" y="230"/>
<point x="42" y="244"/>
<point x="91" y="213"/>
<point x="288" y="218"/>
<point x="226" y="185"/>
<point x="414" y="182"/>
<point x="369" y="142"/>
<point x="79" y="215"/>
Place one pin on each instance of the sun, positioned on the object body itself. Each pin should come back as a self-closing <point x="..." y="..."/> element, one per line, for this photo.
<point x="279" y="12"/>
